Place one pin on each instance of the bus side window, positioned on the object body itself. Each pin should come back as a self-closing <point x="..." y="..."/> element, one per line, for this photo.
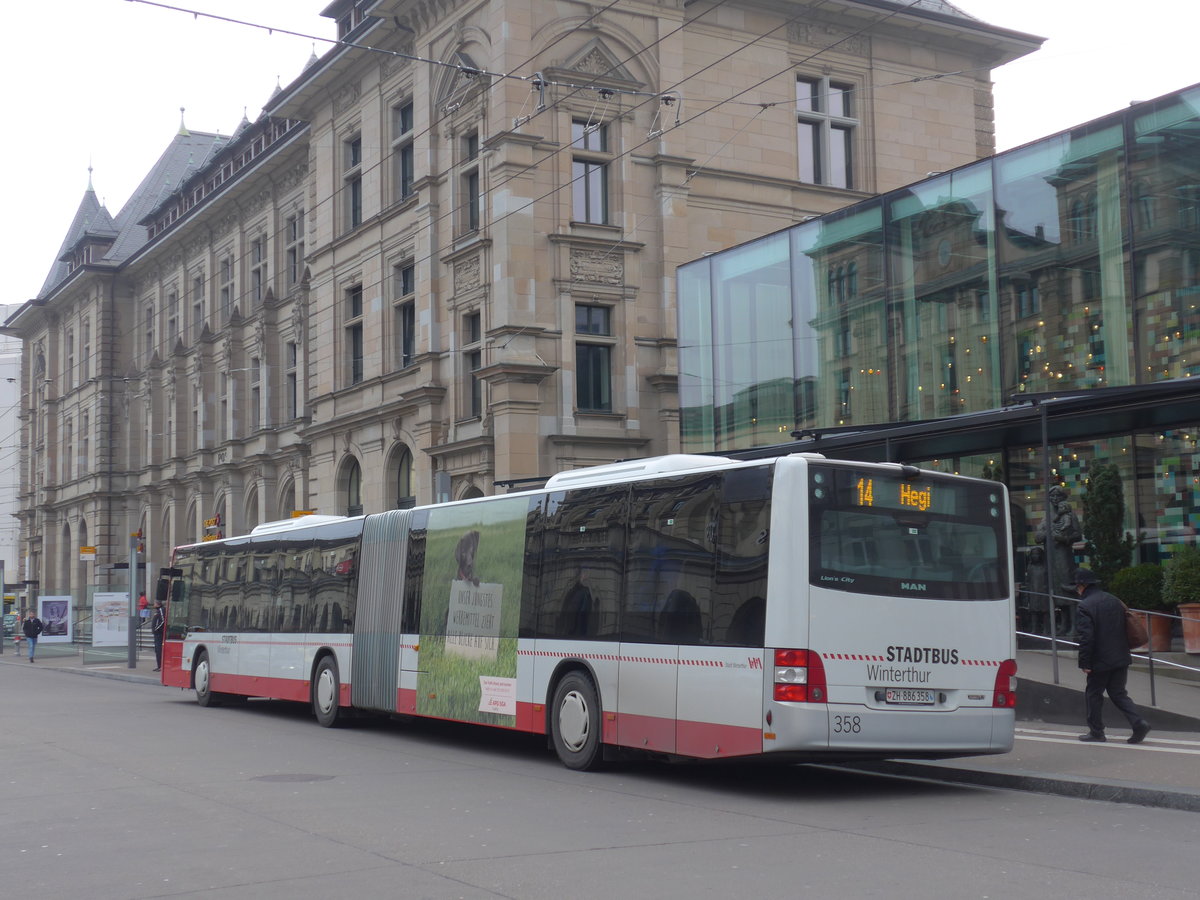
<point x="743" y="540"/>
<point x="679" y="621"/>
<point x="669" y="572"/>
<point x="746" y="629"/>
<point x="584" y="543"/>
<point x="575" y="615"/>
<point x="414" y="572"/>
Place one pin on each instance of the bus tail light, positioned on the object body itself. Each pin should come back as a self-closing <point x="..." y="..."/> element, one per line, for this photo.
<point x="1004" y="696"/>
<point x="799" y="677"/>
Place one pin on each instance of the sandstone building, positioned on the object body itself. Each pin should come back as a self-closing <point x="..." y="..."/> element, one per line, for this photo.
<point x="442" y="261"/>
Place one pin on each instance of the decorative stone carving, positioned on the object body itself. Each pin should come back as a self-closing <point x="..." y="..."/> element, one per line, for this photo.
<point x="346" y="98"/>
<point x="293" y="177"/>
<point x="597" y="266"/>
<point x="822" y="36"/>
<point x="466" y="274"/>
<point x="298" y="321"/>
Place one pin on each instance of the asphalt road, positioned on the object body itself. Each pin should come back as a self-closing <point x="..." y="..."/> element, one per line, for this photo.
<point x="120" y="790"/>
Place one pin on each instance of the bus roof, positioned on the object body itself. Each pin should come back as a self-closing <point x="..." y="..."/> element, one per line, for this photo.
<point x="633" y="468"/>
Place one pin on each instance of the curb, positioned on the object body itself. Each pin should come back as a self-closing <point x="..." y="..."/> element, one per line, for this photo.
<point x="77" y="670"/>
<point x="1039" y="783"/>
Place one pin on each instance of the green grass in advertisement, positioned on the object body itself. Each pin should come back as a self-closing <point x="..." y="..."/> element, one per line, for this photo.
<point x="470" y="612"/>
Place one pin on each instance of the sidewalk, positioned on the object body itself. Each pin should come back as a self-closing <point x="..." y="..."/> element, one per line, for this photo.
<point x="105" y="662"/>
<point x="1047" y="757"/>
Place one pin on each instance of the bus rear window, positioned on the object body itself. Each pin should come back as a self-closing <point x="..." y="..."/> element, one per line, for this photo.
<point x="911" y="534"/>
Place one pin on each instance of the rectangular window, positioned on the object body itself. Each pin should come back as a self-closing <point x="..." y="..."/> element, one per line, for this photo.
<point x="258" y="270"/>
<point x="85" y="352"/>
<point x="470" y="192"/>
<point x="172" y="319"/>
<point x="405" y="306"/>
<point x="402" y="151"/>
<point x="589" y="172"/>
<point x="197" y="307"/>
<point x="472" y="362"/>
<point x="225" y="288"/>
<point x="295" y="248"/>
<point x="354" y="335"/>
<point x="255" y="394"/>
<point x="223" y="404"/>
<point x="68" y="451"/>
<point x="291" y="354"/>
<point x="352" y="186"/>
<point x="148" y="332"/>
<point x="825" y="128"/>
<point x="593" y="359"/>
<point x="85" y="444"/>
<point x="468" y="184"/>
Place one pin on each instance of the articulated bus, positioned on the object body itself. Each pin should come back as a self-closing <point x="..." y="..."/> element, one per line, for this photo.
<point x="697" y="607"/>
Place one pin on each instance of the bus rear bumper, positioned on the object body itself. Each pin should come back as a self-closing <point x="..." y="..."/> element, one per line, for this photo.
<point x="856" y="732"/>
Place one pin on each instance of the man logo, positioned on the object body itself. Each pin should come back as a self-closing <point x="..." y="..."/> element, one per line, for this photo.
<point x="913" y="586"/>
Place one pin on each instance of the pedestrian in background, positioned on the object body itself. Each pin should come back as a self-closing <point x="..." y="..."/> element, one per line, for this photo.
<point x="1104" y="656"/>
<point x="158" y="623"/>
<point x="32" y="629"/>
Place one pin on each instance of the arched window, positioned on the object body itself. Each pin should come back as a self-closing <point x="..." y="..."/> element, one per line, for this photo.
<point x="287" y="498"/>
<point x="1075" y="223"/>
<point x="354" y="504"/>
<point x="405" y="490"/>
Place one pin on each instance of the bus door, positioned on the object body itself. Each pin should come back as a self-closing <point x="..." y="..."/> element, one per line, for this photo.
<point x="381" y="652"/>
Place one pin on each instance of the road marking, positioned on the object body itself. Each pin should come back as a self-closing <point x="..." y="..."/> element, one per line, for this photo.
<point x="1067" y="737"/>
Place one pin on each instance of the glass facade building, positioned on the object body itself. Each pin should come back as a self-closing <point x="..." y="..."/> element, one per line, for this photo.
<point x="1069" y="263"/>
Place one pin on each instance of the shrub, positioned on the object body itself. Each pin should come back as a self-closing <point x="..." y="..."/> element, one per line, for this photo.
<point x="1140" y="586"/>
<point x="1181" y="576"/>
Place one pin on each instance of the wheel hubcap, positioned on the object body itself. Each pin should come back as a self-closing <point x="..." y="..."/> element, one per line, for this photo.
<point x="573" y="726"/>
<point x="202" y="677"/>
<point x="325" y="691"/>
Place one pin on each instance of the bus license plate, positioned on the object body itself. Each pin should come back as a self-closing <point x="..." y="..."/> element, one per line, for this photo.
<point x="909" y="697"/>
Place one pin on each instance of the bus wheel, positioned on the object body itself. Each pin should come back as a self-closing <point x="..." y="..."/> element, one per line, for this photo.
<point x="202" y="678"/>
<point x="575" y="722"/>
<point x="325" y="691"/>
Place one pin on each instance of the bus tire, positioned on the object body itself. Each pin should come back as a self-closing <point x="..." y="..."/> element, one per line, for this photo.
<point x="325" y="692"/>
<point x="202" y="681"/>
<point x="575" y="722"/>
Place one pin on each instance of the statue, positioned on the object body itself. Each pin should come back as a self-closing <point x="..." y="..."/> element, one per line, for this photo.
<point x="1034" y="597"/>
<point x="1060" y="551"/>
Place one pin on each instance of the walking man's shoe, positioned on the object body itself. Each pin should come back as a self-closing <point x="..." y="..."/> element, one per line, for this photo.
<point x="1139" y="734"/>
<point x="1092" y="738"/>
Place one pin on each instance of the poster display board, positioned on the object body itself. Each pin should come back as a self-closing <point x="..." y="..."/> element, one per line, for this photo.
<point x="55" y="613"/>
<point x="110" y="619"/>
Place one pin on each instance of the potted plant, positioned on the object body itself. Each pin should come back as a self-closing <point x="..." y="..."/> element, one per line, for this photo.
<point x="1181" y="589"/>
<point x="1141" y="588"/>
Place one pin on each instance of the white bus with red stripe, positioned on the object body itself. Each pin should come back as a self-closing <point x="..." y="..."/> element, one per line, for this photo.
<point x="683" y="606"/>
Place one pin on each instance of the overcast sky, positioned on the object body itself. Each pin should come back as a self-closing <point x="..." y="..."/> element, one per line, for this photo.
<point x="100" y="83"/>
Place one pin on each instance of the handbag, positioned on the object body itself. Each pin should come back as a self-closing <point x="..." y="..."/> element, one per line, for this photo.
<point x="1135" y="628"/>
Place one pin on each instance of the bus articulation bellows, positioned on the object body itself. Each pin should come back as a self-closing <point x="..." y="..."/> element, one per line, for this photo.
<point x="686" y="606"/>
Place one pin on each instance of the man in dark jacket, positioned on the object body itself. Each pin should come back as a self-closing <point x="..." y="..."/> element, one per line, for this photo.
<point x="1104" y="656"/>
<point x="33" y="628"/>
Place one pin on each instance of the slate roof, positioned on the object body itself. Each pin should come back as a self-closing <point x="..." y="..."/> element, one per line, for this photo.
<point x="186" y="153"/>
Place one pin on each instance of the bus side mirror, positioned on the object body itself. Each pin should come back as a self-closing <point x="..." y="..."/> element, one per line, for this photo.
<point x="177" y="592"/>
<point x="160" y="590"/>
